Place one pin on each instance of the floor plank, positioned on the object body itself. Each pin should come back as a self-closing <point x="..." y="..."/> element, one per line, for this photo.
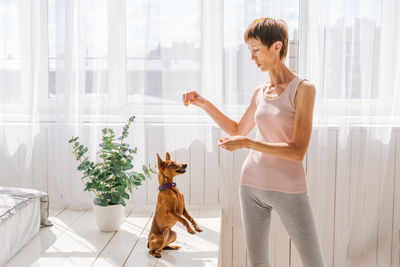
<point x="196" y="250"/>
<point x="74" y="240"/>
<point x="139" y="256"/>
<point x="36" y="248"/>
<point x="79" y="245"/>
<point x="120" y="246"/>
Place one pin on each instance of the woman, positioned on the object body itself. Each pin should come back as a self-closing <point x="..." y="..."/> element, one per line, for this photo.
<point x="273" y="176"/>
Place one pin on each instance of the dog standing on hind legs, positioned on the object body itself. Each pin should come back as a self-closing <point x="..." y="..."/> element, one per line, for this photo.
<point x="169" y="210"/>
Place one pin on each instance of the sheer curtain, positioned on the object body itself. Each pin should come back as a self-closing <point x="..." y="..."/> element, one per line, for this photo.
<point x="351" y="53"/>
<point x="73" y="67"/>
<point x="23" y="67"/>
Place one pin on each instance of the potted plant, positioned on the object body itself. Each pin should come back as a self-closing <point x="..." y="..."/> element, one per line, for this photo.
<point x="111" y="178"/>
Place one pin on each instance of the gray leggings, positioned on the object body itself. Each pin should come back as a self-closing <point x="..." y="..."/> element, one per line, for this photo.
<point x="296" y="215"/>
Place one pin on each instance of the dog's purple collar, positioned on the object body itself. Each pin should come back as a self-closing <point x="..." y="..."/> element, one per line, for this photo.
<point x="165" y="186"/>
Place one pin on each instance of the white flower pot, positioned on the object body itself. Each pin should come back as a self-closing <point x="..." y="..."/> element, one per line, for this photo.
<point x="109" y="218"/>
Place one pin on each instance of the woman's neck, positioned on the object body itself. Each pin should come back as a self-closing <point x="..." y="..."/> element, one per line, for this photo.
<point x="280" y="74"/>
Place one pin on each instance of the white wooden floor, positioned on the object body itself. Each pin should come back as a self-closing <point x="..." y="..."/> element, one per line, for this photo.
<point x="74" y="240"/>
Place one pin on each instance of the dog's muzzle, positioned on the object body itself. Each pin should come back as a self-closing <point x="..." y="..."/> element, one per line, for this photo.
<point x="182" y="170"/>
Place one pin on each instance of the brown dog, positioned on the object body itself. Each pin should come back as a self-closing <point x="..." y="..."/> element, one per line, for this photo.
<point x="169" y="210"/>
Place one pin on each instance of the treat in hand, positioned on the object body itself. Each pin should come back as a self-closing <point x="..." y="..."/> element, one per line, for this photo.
<point x="223" y="139"/>
<point x="187" y="103"/>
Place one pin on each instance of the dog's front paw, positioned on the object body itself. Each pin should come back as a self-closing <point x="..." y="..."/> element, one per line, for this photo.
<point x="190" y="230"/>
<point x="198" y="229"/>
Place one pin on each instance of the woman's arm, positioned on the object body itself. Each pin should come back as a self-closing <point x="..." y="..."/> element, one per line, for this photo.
<point x="296" y="149"/>
<point x="231" y="127"/>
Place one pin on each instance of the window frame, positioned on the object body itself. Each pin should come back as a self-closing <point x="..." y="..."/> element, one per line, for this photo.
<point x="116" y="105"/>
<point x="336" y="106"/>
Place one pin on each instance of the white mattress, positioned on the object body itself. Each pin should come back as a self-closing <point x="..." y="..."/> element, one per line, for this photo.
<point x="19" y="229"/>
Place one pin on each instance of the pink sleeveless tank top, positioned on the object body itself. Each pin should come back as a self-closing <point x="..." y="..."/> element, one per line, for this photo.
<point x="275" y="124"/>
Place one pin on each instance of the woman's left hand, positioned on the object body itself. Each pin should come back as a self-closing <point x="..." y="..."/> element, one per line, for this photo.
<point x="232" y="143"/>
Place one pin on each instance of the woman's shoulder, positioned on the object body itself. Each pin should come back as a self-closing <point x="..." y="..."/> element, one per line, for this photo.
<point x="306" y="86"/>
<point x="305" y="91"/>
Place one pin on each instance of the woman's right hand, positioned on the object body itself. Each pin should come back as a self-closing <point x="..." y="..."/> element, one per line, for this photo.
<point x="193" y="98"/>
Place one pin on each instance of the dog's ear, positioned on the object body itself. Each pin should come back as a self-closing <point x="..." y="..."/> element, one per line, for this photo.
<point x="160" y="162"/>
<point x="167" y="156"/>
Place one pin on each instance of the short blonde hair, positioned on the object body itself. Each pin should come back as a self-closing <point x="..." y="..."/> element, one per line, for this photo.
<point x="269" y="31"/>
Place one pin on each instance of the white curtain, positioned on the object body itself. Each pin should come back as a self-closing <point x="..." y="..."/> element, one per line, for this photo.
<point x="351" y="53"/>
<point x="73" y="67"/>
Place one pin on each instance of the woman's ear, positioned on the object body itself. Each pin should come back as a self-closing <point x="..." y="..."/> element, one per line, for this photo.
<point x="277" y="47"/>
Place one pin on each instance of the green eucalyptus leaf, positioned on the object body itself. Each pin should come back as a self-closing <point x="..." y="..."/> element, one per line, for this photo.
<point x="115" y="198"/>
<point x="145" y="169"/>
<point x="127" y="167"/>
<point x="101" y="202"/>
<point x="121" y="188"/>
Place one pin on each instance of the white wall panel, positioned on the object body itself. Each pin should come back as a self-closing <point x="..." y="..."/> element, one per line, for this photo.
<point x="396" y="206"/>
<point x="214" y="173"/>
<point x="386" y="204"/>
<point x="197" y="170"/>
<point x="211" y="179"/>
<point x="39" y="159"/>
<point x="154" y="146"/>
<point x="138" y="138"/>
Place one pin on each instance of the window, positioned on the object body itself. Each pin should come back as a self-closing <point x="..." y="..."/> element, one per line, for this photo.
<point x="352" y="55"/>
<point x="126" y="54"/>
<point x="53" y="17"/>
<point x="241" y="75"/>
<point x="96" y="80"/>
<point x="163" y="50"/>
<point x="92" y="34"/>
<point x="10" y="64"/>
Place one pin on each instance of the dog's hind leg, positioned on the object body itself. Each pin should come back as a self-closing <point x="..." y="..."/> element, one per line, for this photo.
<point x="155" y="244"/>
<point x="172" y="247"/>
<point x="190" y="218"/>
<point x="155" y="253"/>
<point x="171" y="239"/>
